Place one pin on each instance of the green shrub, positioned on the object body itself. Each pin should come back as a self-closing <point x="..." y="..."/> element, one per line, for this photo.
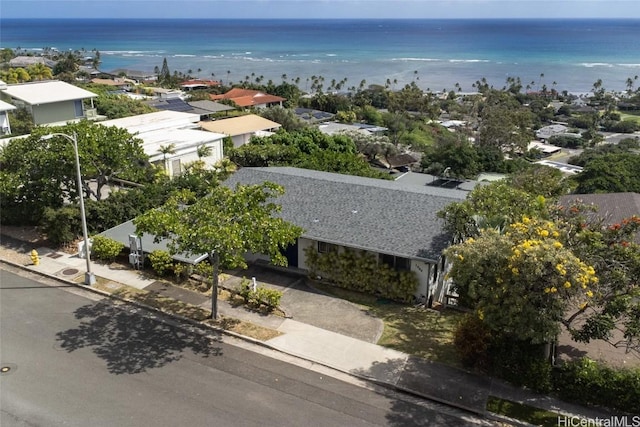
<point x="161" y="262"/>
<point x="360" y="271"/>
<point x="521" y="363"/>
<point x="589" y="382"/>
<point x="61" y="225"/>
<point x="471" y="340"/>
<point x="182" y="271"/>
<point x="260" y="296"/>
<point x="204" y="270"/>
<point x="104" y="248"/>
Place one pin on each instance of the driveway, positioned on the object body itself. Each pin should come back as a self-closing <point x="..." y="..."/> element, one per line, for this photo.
<point x="308" y="305"/>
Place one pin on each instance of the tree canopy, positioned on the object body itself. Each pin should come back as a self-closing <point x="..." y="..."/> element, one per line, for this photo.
<point x="226" y="225"/>
<point x="38" y="173"/>
<point x="610" y="173"/>
<point x="520" y="250"/>
<point x="308" y="149"/>
<point x="522" y="281"/>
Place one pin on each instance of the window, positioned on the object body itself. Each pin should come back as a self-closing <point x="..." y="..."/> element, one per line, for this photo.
<point x="403" y="263"/>
<point x="395" y="262"/>
<point x="325" y="248"/>
<point x="78" y="106"/>
<point x="175" y="167"/>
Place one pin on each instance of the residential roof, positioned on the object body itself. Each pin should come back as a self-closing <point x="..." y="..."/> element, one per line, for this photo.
<point x="112" y="82"/>
<point x="211" y="106"/>
<point x="366" y="213"/>
<point x="26" y="61"/>
<point x="331" y="128"/>
<point x="311" y="115"/>
<point x="248" y="97"/>
<point x="545" y="148"/>
<point x="183" y="139"/>
<point x="175" y="104"/>
<point x="5" y="106"/>
<point x="134" y="74"/>
<point x="564" y="167"/>
<point x="46" y="92"/>
<point x="551" y="130"/>
<point x="241" y="125"/>
<point x="612" y="207"/>
<point x="164" y="128"/>
<point x="194" y="83"/>
<point x="122" y="232"/>
<point x="155" y="121"/>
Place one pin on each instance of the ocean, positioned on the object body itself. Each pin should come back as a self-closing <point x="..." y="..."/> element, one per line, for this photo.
<point x="435" y="54"/>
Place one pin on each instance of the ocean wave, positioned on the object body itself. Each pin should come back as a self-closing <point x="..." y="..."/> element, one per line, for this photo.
<point x="629" y="65"/>
<point x="131" y="52"/>
<point x="596" y="64"/>
<point x="469" y="60"/>
<point x="183" y="55"/>
<point x="416" y="59"/>
<point x="141" y="55"/>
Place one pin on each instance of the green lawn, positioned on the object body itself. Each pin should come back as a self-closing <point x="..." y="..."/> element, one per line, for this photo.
<point x="630" y="115"/>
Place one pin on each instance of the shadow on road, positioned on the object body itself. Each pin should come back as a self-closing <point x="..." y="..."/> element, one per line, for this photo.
<point x="129" y="342"/>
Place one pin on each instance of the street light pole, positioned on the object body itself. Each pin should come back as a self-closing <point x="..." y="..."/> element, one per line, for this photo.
<point x="89" y="277"/>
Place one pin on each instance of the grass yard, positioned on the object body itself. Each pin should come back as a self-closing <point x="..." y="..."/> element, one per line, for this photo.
<point x="412" y="330"/>
<point x="421" y="332"/>
<point x="630" y="115"/>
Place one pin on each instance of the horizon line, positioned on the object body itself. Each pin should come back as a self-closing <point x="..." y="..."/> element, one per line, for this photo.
<point x="595" y="18"/>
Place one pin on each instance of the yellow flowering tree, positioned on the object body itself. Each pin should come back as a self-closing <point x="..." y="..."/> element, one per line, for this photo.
<point x="520" y="282"/>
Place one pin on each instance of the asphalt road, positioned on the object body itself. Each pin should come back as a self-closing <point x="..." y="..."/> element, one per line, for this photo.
<point x="72" y="358"/>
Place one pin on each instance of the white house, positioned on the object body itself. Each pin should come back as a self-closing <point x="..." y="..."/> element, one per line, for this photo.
<point x="175" y="129"/>
<point x="51" y="102"/>
<point x="5" y="126"/>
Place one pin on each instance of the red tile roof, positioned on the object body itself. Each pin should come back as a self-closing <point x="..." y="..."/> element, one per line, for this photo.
<point x="248" y="97"/>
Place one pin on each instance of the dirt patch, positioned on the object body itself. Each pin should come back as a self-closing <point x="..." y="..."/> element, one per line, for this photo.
<point x="29" y="234"/>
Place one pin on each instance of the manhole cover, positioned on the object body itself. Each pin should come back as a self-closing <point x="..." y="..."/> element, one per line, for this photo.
<point x="8" y="368"/>
<point x="70" y="271"/>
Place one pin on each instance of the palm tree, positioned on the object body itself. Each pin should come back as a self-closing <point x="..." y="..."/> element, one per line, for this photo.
<point x="204" y="151"/>
<point x="166" y="150"/>
<point x="225" y="168"/>
<point x="39" y="71"/>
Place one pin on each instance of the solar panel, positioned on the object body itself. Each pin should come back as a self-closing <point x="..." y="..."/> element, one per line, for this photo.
<point x="174" y="105"/>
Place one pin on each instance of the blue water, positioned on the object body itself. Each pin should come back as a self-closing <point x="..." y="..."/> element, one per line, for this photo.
<point x="436" y="54"/>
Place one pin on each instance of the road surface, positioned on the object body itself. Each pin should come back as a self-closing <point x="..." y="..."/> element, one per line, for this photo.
<point x="72" y="358"/>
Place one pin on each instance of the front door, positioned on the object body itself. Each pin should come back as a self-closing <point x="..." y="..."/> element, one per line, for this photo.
<point x="292" y="254"/>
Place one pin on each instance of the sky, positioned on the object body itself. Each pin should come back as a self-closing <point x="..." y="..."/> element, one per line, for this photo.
<point x="339" y="9"/>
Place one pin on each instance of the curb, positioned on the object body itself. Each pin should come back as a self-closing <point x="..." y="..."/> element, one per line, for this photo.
<point x="204" y="327"/>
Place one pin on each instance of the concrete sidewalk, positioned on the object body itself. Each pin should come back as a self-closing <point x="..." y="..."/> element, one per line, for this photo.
<point x="335" y="350"/>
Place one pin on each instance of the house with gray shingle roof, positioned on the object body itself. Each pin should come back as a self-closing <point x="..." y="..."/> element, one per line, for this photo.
<point x="611" y="208"/>
<point x="398" y="222"/>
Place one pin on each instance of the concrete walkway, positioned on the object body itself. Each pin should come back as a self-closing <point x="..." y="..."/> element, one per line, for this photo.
<point x="349" y="348"/>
